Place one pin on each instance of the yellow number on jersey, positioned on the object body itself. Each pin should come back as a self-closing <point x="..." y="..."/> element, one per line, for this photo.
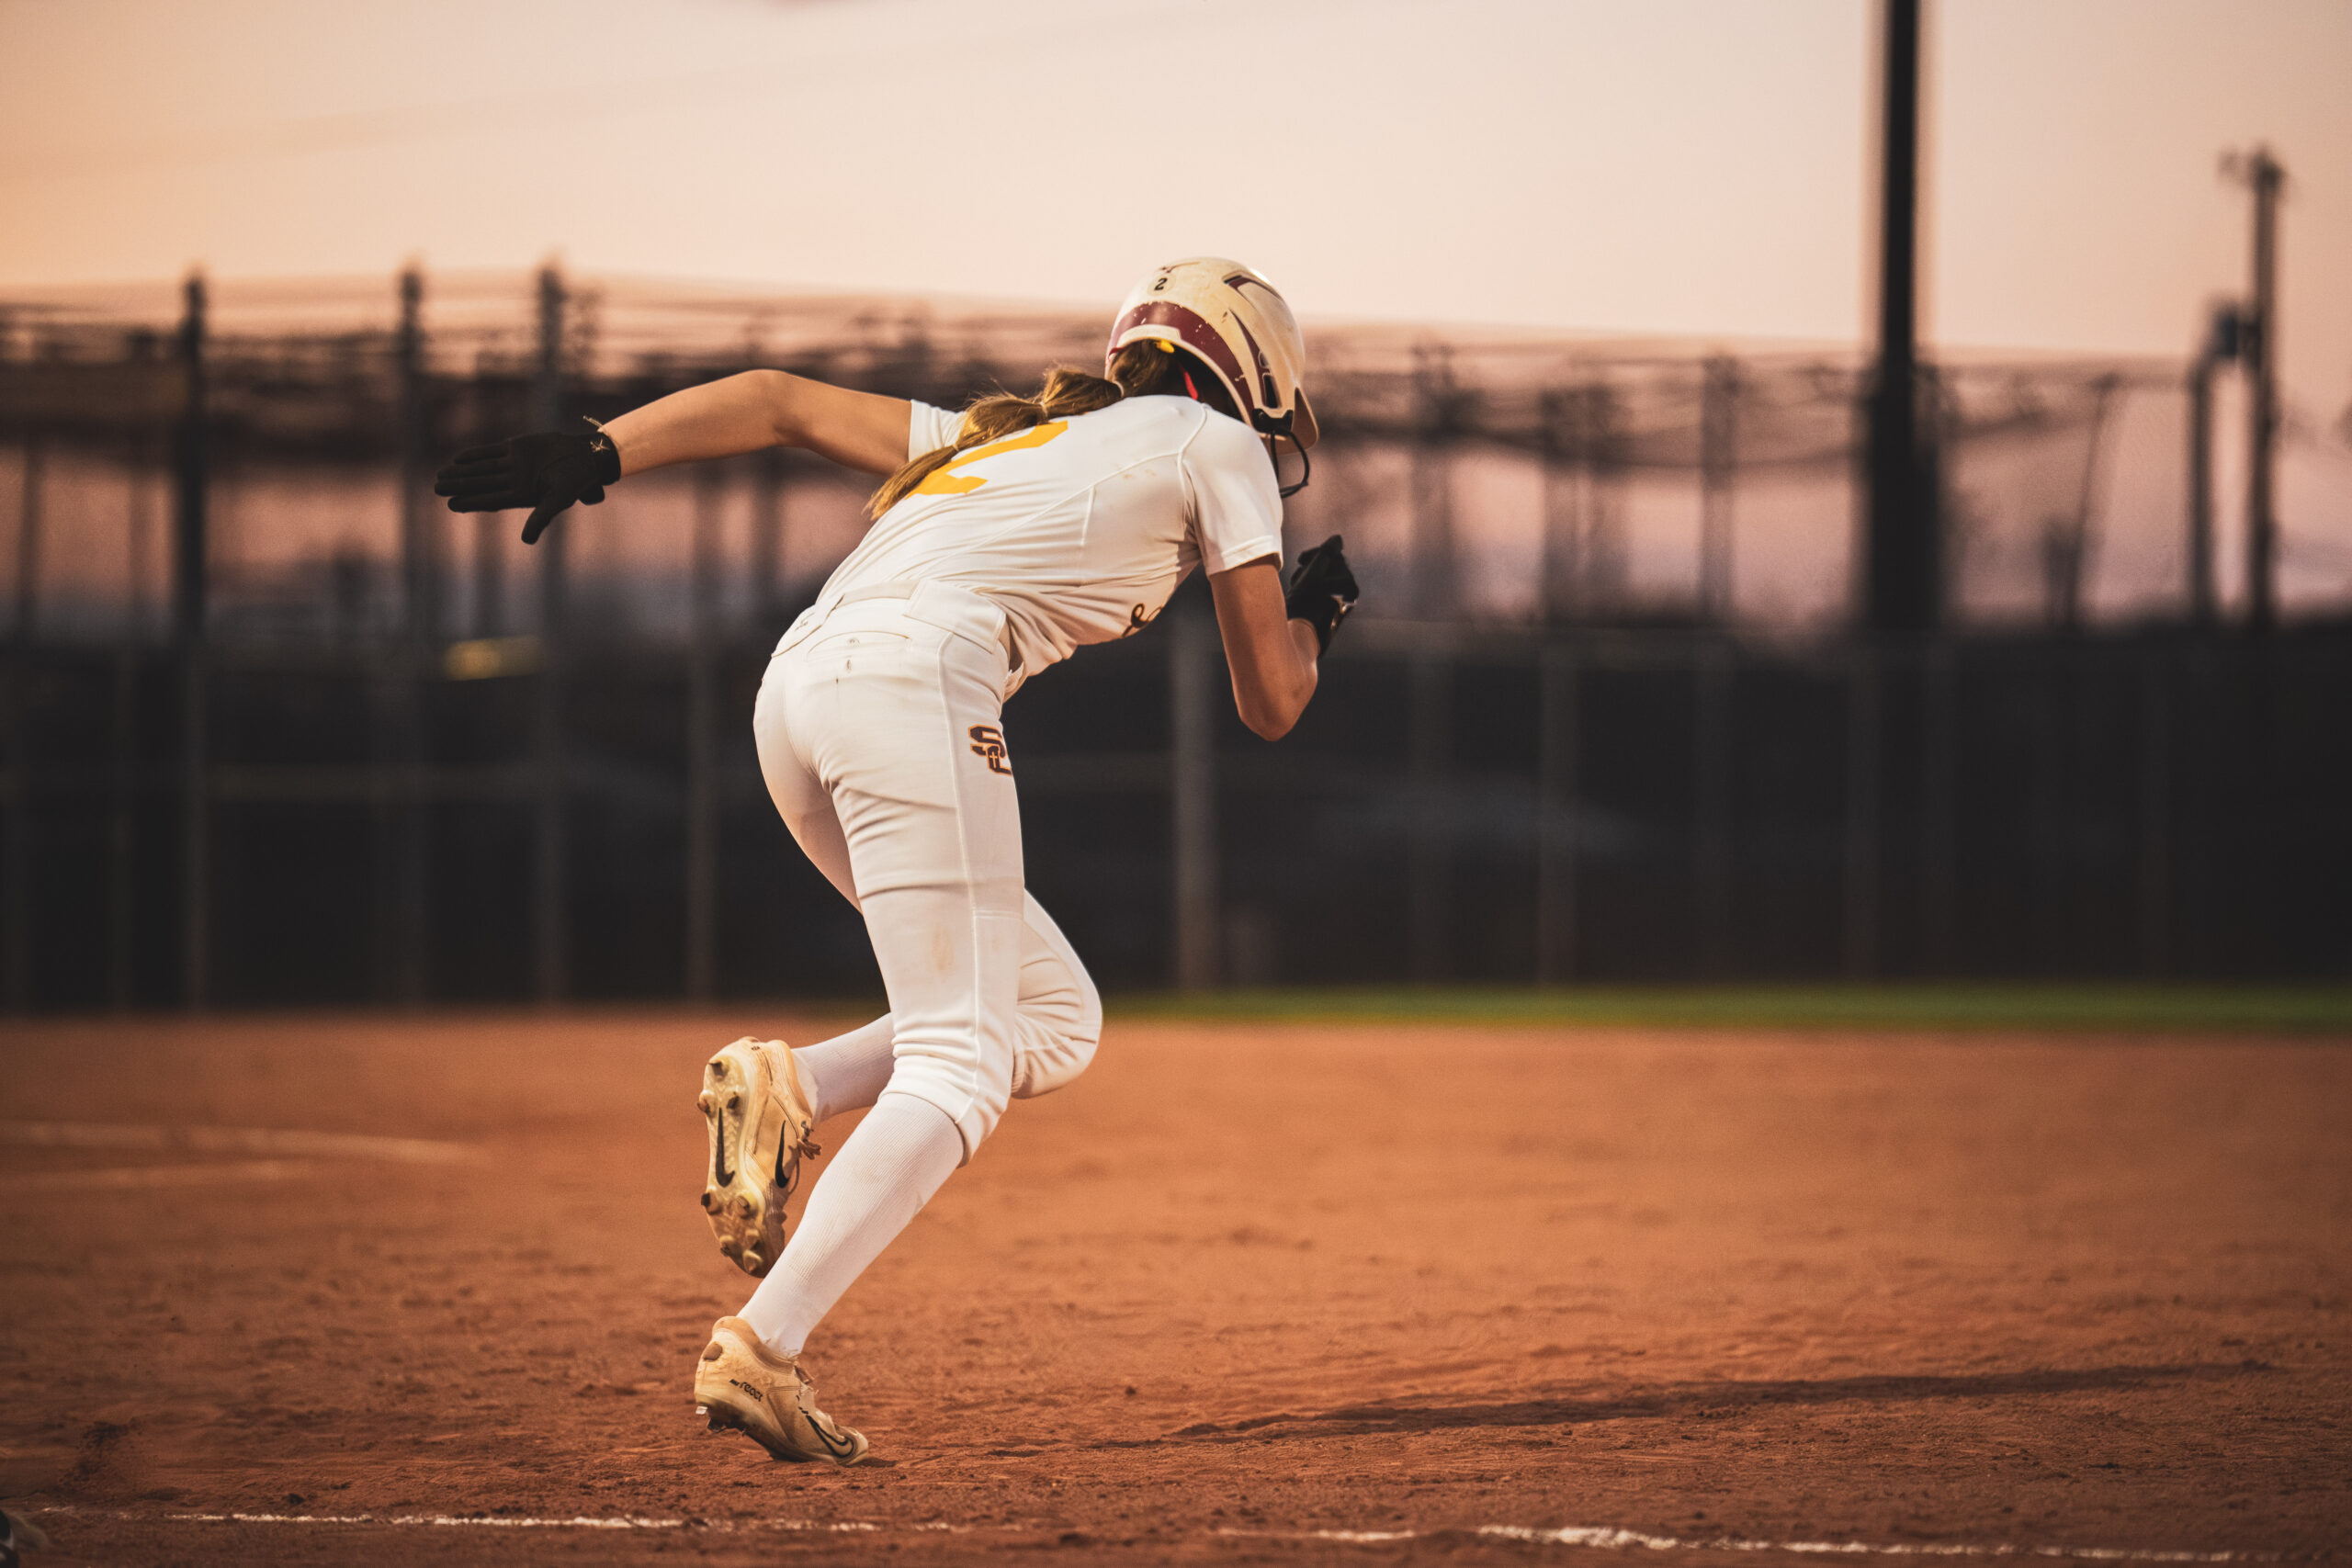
<point x="945" y="480"/>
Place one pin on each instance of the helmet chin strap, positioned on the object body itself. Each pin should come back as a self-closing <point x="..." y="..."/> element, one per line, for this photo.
<point x="1305" y="471"/>
<point x="1270" y="427"/>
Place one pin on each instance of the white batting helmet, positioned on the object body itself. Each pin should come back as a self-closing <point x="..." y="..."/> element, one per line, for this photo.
<point x="1237" y="324"/>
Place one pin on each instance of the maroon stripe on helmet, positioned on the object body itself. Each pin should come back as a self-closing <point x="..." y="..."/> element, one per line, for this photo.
<point x="1197" y="335"/>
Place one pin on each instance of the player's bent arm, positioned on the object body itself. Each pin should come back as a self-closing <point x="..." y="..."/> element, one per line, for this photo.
<point x="760" y="408"/>
<point x="1271" y="656"/>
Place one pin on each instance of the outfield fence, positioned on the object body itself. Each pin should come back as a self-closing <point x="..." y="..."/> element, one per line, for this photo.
<point x="274" y="728"/>
<point x="1458" y="806"/>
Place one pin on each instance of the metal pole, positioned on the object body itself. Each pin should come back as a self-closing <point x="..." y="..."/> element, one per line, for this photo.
<point x="552" y="957"/>
<point x="1603" y="552"/>
<point x="2197" y="864"/>
<point x="2265" y="177"/>
<point x="190" y="491"/>
<point x="1861" y="814"/>
<point x="2046" y="808"/>
<point x="2103" y="396"/>
<point x="2067" y="542"/>
<point x="1430" y="686"/>
<point x="31" y="494"/>
<point x="1431" y="490"/>
<point x="139" y="548"/>
<point x="489" y="618"/>
<point x="1902" y="545"/>
<point x="2200" y="488"/>
<point x="122" y="844"/>
<point x="1939" y="806"/>
<point x="1711" y="861"/>
<point x="122" y="826"/>
<point x="1563" y="476"/>
<point x="420" y="582"/>
<point x="420" y="627"/>
<point x="2155" y="817"/>
<point x="1555" y="814"/>
<point x="1718" y="457"/>
<point x="702" y="744"/>
<point x="1192" y="770"/>
<point x="16" y="872"/>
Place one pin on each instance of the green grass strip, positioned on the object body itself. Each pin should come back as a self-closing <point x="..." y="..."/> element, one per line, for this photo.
<point x="2198" y="1009"/>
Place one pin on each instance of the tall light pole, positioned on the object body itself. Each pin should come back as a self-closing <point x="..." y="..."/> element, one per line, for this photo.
<point x="1901" y="545"/>
<point x="2264" y="175"/>
<point x="2223" y="343"/>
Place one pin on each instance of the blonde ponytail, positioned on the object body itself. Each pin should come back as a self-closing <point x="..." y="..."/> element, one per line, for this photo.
<point x="1136" y="370"/>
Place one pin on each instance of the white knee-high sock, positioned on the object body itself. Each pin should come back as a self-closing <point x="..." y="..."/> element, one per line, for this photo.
<point x="880" y="1181"/>
<point x="849" y="1071"/>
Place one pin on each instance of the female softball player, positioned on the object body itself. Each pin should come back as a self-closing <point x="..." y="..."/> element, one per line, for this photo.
<point x="1004" y="539"/>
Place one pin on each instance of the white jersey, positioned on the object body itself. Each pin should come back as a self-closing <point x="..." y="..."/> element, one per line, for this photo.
<point x="1080" y="528"/>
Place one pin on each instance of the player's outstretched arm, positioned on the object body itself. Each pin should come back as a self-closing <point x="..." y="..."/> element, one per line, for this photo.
<point x="760" y="408"/>
<point x="552" y="470"/>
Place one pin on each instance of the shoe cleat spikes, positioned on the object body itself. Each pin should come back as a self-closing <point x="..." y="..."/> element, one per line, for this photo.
<point x="759" y="1119"/>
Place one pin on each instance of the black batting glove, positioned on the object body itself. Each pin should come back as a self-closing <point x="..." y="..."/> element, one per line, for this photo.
<point x="548" y="472"/>
<point x="1322" y="591"/>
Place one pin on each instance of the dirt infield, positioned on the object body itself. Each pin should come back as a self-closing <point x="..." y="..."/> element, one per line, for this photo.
<point x="1245" y="1294"/>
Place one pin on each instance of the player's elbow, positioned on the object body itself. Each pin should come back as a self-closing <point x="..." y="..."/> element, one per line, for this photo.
<point x="1268" y="724"/>
<point x="1271" y="715"/>
<point x="780" y="396"/>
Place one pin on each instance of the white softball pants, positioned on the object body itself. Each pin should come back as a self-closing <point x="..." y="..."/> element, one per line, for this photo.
<point x="878" y="732"/>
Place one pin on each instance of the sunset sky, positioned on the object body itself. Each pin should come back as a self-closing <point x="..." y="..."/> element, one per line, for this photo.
<point x="1673" y="166"/>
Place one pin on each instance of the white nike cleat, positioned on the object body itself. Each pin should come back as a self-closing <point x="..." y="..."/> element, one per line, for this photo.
<point x="741" y="1384"/>
<point x="760" y="1119"/>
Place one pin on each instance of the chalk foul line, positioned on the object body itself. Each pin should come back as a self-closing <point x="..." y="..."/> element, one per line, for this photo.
<point x="1602" y="1537"/>
<point x="513" y="1521"/>
<point x="1609" y="1538"/>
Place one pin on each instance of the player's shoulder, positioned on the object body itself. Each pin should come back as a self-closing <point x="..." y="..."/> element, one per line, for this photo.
<point x="1194" y="429"/>
<point x="1154" y="413"/>
<point x="929" y="427"/>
